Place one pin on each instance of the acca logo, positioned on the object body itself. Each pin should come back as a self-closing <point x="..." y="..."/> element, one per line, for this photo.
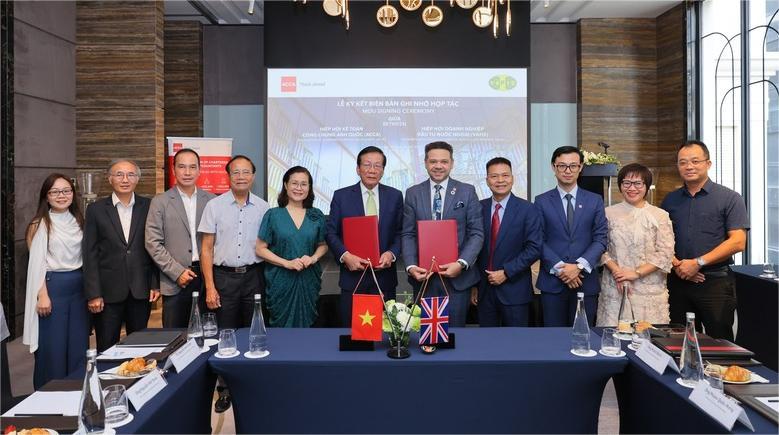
<point x="289" y="84"/>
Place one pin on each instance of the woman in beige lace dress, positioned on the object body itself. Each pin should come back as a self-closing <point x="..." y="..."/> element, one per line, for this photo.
<point x="641" y="246"/>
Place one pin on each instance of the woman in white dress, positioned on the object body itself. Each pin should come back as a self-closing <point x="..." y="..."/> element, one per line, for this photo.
<point x="56" y="323"/>
<point x="639" y="254"/>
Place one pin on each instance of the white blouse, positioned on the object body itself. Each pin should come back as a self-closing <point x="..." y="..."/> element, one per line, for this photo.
<point x="58" y="252"/>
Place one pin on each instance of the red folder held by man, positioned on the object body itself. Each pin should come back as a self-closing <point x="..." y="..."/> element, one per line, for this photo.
<point x="437" y="239"/>
<point x="361" y="237"/>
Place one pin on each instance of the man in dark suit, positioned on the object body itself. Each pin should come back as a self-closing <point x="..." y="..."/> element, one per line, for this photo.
<point x="575" y="235"/>
<point x="513" y="242"/>
<point x="366" y="198"/>
<point x="438" y="198"/>
<point x="173" y="242"/>
<point x="120" y="279"/>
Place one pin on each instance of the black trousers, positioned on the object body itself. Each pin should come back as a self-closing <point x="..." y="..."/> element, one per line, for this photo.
<point x="713" y="302"/>
<point x="177" y="308"/>
<point x="236" y="293"/>
<point x="134" y="313"/>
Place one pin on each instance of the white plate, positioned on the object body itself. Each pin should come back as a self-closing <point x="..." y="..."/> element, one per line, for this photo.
<point x="624" y="336"/>
<point x="588" y="355"/>
<point x="739" y="382"/>
<point x="235" y="354"/>
<point x="633" y="347"/>
<point x="111" y="374"/>
<point x="619" y="355"/>
<point x="250" y="356"/>
<point x="211" y="341"/>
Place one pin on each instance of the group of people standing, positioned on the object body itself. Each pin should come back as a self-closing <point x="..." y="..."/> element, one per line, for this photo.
<point x="129" y="250"/>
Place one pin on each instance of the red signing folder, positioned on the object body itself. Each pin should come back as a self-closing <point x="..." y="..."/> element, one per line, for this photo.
<point x="361" y="237"/>
<point x="437" y="239"/>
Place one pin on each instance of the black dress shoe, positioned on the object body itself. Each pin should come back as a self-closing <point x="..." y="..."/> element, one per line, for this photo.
<point x="222" y="404"/>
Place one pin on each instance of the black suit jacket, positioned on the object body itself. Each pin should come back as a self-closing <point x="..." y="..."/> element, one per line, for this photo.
<point x="115" y="268"/>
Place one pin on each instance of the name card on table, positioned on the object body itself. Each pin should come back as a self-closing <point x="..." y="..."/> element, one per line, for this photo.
<point x="146" y="388"/>
<point x="655" y="358"/>
<point x="184" y="355"/>
<point x="719" y="406"/>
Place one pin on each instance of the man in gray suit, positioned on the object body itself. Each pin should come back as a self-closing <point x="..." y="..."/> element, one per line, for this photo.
<point x="439" y="198"/>
<point x="173" y="242"/>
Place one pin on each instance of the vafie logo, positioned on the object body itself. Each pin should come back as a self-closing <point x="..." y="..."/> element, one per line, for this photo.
<point x="289" y="84"/>
<point x="503" y="82"/>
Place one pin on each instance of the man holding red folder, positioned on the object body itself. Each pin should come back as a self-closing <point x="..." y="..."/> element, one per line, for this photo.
<point x="441" y="198"/>
<point x="366" y="198"/>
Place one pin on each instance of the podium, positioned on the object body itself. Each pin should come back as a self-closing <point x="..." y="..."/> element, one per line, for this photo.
<point x="597" y="179"/>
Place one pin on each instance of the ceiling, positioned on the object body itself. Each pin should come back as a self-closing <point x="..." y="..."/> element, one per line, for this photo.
<point x="223" y="12"/>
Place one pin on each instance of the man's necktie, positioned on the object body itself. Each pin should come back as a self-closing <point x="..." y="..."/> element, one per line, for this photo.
<point x="569" y="212"/>
<point x="370" y="205"/>
<point x="494" y="228"/>
<point x="437" y="203"/>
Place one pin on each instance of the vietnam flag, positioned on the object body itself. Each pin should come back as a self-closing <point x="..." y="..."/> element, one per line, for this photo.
<point x="367" y="311"/>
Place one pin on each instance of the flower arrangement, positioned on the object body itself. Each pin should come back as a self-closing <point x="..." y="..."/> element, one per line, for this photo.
<point x="397" y="318"/>
<point x="591" y="158"/>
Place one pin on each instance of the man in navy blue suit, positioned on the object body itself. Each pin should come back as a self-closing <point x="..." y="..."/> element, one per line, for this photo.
<point x="366" y="198"/>
<point x="512" y="242"/>
<point x="575" y="234"/>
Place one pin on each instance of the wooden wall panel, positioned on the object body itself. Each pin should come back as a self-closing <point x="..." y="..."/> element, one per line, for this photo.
<point x="183" y="78"/>
<point x="119" y="88"/>
<point x="631" y="91"/>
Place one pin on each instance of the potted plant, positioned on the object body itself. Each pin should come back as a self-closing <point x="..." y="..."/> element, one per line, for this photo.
<point x="599" y="164"/>
<point x="399" y="321"/>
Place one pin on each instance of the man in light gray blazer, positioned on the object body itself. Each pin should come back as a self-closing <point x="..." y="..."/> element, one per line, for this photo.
<point x="437" y="198"/>
<point x="173" y="242"/>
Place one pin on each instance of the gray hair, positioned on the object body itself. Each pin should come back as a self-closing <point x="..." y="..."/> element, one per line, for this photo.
<point x="115" y="161"/>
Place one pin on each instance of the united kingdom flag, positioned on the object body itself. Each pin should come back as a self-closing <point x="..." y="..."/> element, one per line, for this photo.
<point x="434" y="321"/>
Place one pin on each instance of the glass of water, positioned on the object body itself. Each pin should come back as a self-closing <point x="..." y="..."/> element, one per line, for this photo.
<point x="115" y="398"/>
<point x="712" y="375"/>
<point x="210" y="327"/>
<point x="768" y="271"/>
<point x="639" y="337"/>
<point x="227" y="344"/>
<point x="610" y="344"/>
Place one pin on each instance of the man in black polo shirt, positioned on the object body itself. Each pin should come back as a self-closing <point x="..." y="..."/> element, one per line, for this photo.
<point x="710" y="223"/>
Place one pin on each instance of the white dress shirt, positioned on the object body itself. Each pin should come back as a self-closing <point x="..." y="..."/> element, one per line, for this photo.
<point x="190" y="207"/>
<point x="125" y="214"/>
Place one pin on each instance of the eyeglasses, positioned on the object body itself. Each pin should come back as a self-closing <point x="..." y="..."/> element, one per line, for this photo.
<point x="129" y="175"/>
<point x="573" y="167"/>
<point x="683" y="163"/>
<point x="637" y="184"/>
<point x="295" y="184"/>
<point x="368" y="165"/>
<point x="64" y="192"/>
<point x="245" y="172"/>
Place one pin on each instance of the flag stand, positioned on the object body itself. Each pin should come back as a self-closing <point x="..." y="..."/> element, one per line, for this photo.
<point x="345" y="342"/>
<point x="429" y="349"/>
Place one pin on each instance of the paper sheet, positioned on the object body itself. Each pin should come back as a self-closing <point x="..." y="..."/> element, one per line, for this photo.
<point x="771" y="402"/>
<point x="48" y="402"/>
<point x="116" y="353"/>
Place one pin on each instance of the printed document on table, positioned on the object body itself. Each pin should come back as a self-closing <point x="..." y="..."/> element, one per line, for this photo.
<point x="116" y="353"/>
<point x="48" y="402"/>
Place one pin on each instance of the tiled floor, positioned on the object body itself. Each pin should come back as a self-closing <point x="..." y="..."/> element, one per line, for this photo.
<point x="21" y="366"/>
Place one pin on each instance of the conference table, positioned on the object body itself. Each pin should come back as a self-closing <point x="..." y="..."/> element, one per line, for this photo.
<point x="497" y="380"/>
<point x="757" y="299"/>
<point x="183" y="406"/>
<point x="653" y="403"/>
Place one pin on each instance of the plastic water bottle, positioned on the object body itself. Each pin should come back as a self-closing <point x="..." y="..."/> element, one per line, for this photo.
<point x="195" y="327"/>
<point x="580" y="341"/>
<point x="690" y="362"/>
<point x="91" y="412"/>
<point x="258" y="336"/>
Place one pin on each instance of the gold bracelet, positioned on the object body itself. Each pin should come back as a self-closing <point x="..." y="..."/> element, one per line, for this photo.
<point x="638" y="272"/>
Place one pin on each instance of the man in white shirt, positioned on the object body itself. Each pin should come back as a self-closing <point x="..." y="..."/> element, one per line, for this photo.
<point x="173" y="242"/>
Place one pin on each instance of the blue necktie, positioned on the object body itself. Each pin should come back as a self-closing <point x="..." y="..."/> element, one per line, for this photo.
<point x="437" y="203"/>
<point x="569" y="212"/>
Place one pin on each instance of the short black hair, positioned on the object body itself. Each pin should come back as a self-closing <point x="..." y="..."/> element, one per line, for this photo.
<point x="440" y="145"/>
<point x="283" y="198"/>
<point x="635" y="169"/>
<point x="371" y="149"/>
<point x="498" y="161"/>
<point x="692" y="143"/>
<point x="186" y="150"/>
<point x="567" y="149"/>
<point x="240" y="156"/>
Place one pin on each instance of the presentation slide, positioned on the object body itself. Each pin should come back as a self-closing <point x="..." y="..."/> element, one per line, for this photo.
<point x="321" y="119"/>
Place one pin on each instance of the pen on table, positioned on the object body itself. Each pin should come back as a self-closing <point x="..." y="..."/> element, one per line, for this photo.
<point x="773" y="400"/>
<point x="38" y="415"/>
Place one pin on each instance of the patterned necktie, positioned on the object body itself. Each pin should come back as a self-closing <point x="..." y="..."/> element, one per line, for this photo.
<point x="437" y="203"/>
<point x="569" y="212"/>
<point x="494" y="228"/>
<point x="370" y="205"/>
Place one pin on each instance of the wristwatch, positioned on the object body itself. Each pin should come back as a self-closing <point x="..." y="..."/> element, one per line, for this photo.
<point x="581" y="267"/>
<point x="463" y="264"/>
<point x="701" y="262"/>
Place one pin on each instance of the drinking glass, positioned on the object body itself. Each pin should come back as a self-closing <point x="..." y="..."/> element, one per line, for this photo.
<point x="639" y="338"/>
<point x="210" y="328"/>
<point x="609" y="344"/>
<point x="115" y="399"/>
<point x="713" y="376"/>
<point x="768" y="271"/>
<point x="227" y="345"/>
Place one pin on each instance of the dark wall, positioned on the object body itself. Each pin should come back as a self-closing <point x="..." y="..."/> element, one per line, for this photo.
<point x="552" y="76"/>
<point x="302" y="36"/>
<point x="233" y="71"/>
